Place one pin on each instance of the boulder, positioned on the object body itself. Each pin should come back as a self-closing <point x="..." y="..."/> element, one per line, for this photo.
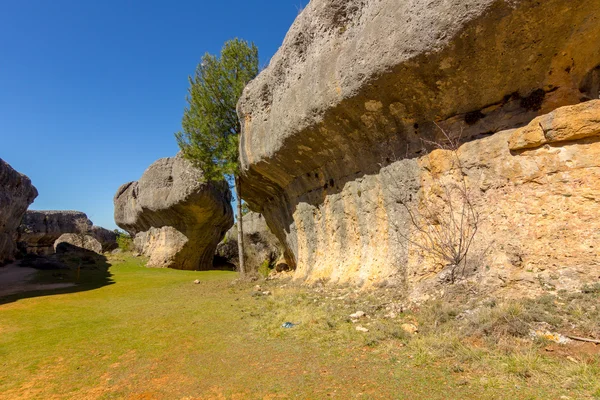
<point x="16" y="194"/>
<point x="260" y="245"/>
<point x="69" y="242"/>
<point x="40" y="229"/>
<point x="175" y="217"/>
<point x="107" y="238"/>
<point x="337" y="131"/>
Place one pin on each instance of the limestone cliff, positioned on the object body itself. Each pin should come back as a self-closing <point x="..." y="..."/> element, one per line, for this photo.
<point x="339" y="127"/>
<point x="175" y="217"/>
<point x="16" y="194"/>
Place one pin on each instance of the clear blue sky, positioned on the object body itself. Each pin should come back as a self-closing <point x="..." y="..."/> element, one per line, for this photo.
<point x="91" y="92"/>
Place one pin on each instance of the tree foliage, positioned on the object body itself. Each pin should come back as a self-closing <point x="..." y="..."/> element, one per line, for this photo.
<point x="210" y="126"/>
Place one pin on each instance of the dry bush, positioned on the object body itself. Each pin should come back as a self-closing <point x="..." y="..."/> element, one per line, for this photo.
<point x="446" y="220"/>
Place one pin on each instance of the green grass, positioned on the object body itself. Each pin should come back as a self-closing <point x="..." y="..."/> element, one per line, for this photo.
<point x="487" y="348"/>
<point x="145" y="333"/>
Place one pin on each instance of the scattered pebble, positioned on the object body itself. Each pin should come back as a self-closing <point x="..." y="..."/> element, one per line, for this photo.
<point x="357" y="315"/>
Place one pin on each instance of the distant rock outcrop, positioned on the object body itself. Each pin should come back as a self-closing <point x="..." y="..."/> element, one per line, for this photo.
<point x="107" y="238"/>
<point x="68" y="242"/>
<point x="175" y="217"/>
<point x="16" y="194"/>
<point x="40" y="229"/>
<point x="260" y="245"/>
<point x="337" y="133"/>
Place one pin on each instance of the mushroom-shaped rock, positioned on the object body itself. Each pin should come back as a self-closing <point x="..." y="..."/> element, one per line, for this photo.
<point x="175" y="216"/>
<point x="16" y="194"/>
<point x="40" y="229"/>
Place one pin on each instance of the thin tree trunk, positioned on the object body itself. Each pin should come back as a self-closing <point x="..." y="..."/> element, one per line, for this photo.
<point x="240" y="238"/>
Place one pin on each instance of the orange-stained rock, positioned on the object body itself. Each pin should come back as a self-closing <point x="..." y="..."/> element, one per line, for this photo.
<point x="564" y="124"/>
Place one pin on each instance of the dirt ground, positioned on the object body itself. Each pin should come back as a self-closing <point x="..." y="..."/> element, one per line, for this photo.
<point x="17" y="279"/>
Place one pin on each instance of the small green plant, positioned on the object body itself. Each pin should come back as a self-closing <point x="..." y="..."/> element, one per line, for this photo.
<point x="591" y="289"/>
<point x="124" y="240"/>
<point x="265" y="268"/>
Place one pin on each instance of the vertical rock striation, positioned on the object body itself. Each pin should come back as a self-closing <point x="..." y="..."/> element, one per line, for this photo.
<point x="16" y="194"/>
<point x="175" y="217"/>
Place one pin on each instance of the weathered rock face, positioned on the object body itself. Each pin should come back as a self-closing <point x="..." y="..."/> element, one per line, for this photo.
<point x="538" y="204"/>
<point x="108" y="239"/>
<point x="40" y="229"/>
<point x="176" y="218"/>
<point x="68" y="242"/>
<point x="333" y="129"/>
<point x="16" y="194"/>
<point x="260" y="245"/>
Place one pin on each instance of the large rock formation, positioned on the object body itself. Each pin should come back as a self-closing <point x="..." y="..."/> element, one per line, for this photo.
<point x="16" y="194"/>
<point x="337" y="129"/>
<point x="40" y="229"/>
<point x="260" y="245"/>
<point x="175" y="216"/>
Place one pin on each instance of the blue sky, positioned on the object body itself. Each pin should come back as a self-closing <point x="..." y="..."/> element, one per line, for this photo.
<point x="91" y="92"/>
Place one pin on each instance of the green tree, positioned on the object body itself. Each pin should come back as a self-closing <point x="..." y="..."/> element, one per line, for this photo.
<point x="210" y="126"/>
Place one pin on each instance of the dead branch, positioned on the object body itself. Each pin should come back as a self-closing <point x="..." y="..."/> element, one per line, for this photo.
<point x="583" y="339"/>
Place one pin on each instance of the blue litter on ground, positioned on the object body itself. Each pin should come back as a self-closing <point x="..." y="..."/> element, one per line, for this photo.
<point x="288" y="325"/>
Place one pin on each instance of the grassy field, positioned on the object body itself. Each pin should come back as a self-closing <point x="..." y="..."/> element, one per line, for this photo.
<point x="140" y="333"/>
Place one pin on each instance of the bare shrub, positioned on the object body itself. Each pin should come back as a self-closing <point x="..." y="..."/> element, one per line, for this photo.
<point x="445" y="221"/>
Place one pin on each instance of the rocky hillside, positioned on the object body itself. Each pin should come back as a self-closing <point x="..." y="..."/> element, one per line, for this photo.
<point x="16" y="194"/>
<point x="338" y="134"/>
<point x="175" y="217"/>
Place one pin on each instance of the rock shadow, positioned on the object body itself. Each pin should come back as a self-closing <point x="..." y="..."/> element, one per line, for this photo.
<point x="72" y="269"/>
<point x="222" y="264"/>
